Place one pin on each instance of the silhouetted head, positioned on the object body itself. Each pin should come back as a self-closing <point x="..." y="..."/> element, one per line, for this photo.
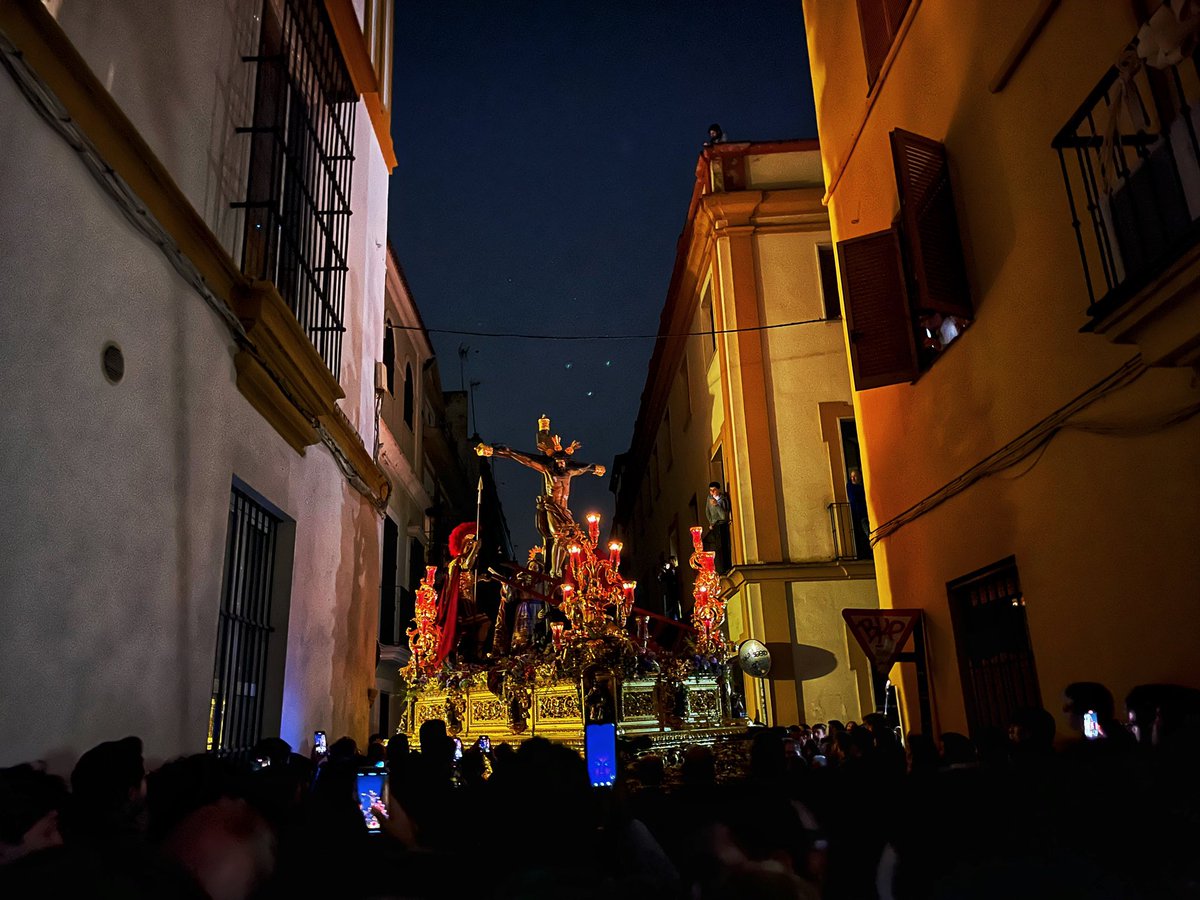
<point x="277" y="750"/>
<point x="30" y="801"/>
<point x="1156" y="711"/>
<point x="699" y="766"/>
<point x="958" y="750"/>
<point x="344" y="749"/>
<point x="435" y="742"/>
<point x="1031" y="730"/>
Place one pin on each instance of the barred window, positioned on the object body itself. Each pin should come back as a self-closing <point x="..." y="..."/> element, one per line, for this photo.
<point x="244" y="629"/>
<point x="301" y="156"/>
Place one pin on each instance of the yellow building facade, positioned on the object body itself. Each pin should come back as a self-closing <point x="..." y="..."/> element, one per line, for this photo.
<point x="1015" y="218"/>
<point x="748" y="387"/>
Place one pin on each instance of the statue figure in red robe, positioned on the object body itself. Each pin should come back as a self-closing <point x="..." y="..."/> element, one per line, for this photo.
<point x="459" y="619"/>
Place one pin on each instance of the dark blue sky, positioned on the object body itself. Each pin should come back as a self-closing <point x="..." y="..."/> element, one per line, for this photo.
<point x="547" y="152"/>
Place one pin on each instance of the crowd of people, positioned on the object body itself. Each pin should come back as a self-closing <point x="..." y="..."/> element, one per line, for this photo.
<point x="1109" y="809"/>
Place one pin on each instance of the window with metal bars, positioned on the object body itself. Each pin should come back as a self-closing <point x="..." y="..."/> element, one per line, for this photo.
<point x="301" y="158"/>
<point x="244" y="628"/>
<point x="995" y="656"/>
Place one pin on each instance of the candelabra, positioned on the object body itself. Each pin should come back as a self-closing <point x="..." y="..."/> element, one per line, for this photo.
<point x="708" y="613"/>
<point x="423" y="639"/>
<point x="592" y="584"/>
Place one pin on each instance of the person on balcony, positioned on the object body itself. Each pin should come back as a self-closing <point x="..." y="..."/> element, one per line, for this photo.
<point x="717" y="510"/>
<point x="856" y="493"/>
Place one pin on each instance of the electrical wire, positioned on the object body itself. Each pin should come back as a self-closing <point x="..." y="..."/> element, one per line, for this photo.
<point x="1033" y="439"/>
<point x="606" y="337"/>
<point x="44" y="102"/>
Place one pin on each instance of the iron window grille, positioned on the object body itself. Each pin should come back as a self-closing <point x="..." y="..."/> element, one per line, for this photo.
<point x="1130" y="161"/>
<point x="301" y="158"/>
<point x="244" y="628"/>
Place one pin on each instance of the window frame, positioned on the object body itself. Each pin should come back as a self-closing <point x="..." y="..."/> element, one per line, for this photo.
<point x="299" y="181"/>
<point x="234" y="725"/>
<point x="926" y="246"/>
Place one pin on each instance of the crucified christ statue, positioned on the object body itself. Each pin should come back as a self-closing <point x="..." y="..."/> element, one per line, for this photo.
<point x="554" y="520"/>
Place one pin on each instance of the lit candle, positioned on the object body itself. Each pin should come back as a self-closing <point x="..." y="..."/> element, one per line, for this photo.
<point x="568" y="594"/>
<point x="614" y="554"/>
<point x="574" y="550"/>
<point x="593" y="520"/>
<point x="698" y="537"/>
<point x="544" y="423"/>
<point x="556" y="634"/>
<point x="430" y="574"/>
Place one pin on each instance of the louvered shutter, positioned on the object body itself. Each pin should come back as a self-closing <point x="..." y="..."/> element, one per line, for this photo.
<point x="876" y="37"/>
<point x="930" y="225"/>
<point x="882" y="343"/>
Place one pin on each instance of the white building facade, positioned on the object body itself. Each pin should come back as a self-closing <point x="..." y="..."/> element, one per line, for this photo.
<point x="193" y="210"/>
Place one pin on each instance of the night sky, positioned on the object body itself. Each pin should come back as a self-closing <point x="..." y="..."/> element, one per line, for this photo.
<point x="547" y="153"/>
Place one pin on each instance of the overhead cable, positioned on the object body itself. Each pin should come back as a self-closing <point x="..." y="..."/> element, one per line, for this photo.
<point x="607" y="337"/>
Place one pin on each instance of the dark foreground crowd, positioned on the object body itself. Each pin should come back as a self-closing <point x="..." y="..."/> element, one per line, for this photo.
<point x="830" y="811"/>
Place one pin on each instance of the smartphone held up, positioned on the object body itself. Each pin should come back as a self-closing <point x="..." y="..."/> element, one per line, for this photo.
<point x="372" y="796"/>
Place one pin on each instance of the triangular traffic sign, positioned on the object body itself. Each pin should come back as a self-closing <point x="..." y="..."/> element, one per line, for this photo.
<point x="882" y="632"/>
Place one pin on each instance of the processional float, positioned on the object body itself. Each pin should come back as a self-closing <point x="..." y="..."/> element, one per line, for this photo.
<point x="569" y="647"/>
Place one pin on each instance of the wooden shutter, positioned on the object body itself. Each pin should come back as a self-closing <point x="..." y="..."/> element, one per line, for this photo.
<point x="876" y="37"/>
<point x="882" y="343"/>
<point x="895" y="10"/>
<point x="930" y="225"/>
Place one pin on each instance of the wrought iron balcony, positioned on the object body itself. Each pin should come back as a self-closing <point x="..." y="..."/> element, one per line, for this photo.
<point x="1130" y="161"/>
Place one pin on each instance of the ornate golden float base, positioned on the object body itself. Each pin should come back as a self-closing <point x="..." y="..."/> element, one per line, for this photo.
<point x="556" y="712"/>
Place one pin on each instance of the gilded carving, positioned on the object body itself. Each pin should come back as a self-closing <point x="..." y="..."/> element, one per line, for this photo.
<point x="559" y="706"/>
<point x="704" y="703"/>
<point x="427" y="710"/>
<point x="489" y="710"/>
<point x="639" y="705"/>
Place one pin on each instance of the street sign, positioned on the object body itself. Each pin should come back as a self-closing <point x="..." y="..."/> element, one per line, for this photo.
<point x="881" y="632"/>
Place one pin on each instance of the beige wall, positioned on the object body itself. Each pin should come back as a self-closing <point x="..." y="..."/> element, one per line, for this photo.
<point x="758" y="397"/>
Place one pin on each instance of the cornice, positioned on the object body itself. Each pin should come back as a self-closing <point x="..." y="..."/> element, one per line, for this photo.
<point x="348" y="31"/>
<point x="822" y="570"/>
<point x="282" y="344"/>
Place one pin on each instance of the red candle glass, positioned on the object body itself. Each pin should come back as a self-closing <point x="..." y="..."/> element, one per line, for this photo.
<point x="614" y="554"/>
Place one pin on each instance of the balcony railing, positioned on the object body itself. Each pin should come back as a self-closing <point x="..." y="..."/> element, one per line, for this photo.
<point x="1130" y="162"/>
<point x="848" y="542"/>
